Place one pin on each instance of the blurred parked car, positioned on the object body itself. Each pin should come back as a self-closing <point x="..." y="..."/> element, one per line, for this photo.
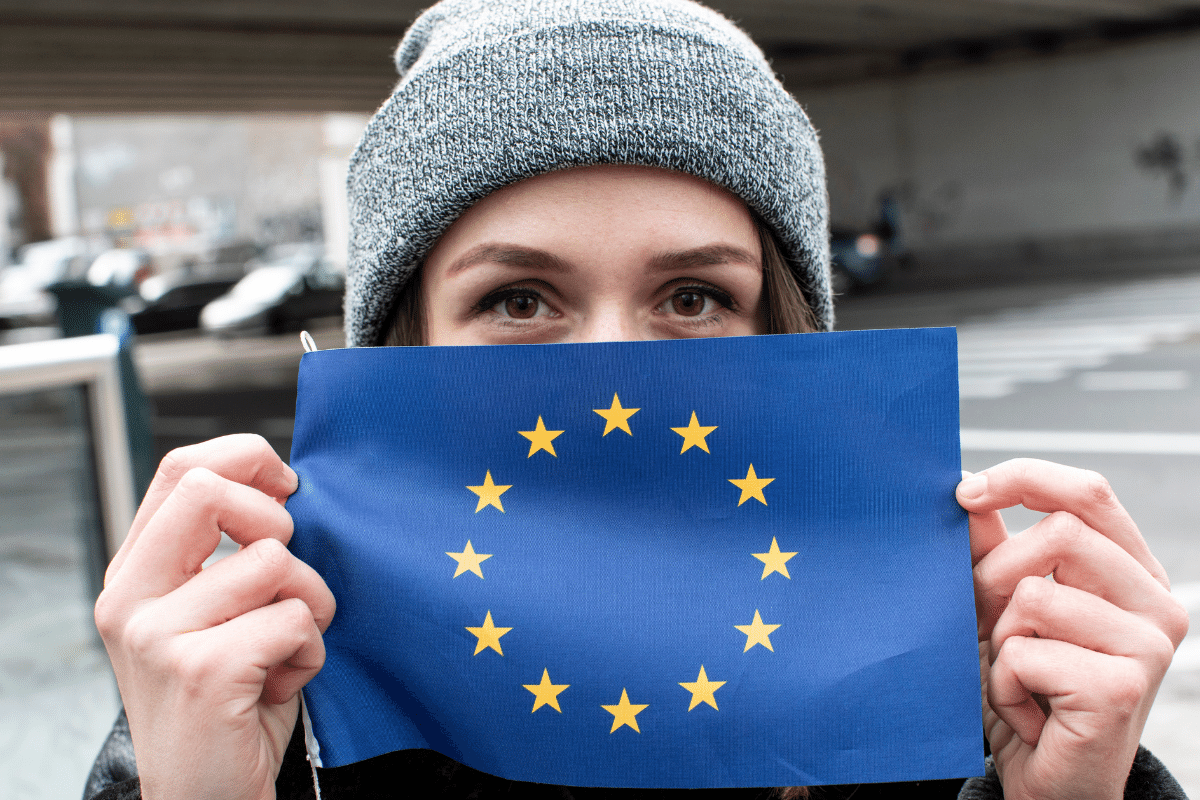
<point x="173" y="303"/>
<point x="23" y="297"/>
<point x="281" y="295"/>
<point x="121" y="268"/>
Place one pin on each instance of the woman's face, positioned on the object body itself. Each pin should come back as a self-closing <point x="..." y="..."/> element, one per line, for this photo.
<point x="596" y="254"/>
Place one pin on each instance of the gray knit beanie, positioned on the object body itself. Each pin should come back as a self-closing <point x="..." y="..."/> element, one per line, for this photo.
<point x="495" y="91"/>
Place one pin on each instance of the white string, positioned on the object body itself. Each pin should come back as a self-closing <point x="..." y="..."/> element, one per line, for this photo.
<point x="306" y="339"/>
<point x="311" y="746"/>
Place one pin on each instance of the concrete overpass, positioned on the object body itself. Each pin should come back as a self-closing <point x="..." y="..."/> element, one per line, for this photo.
<point x="311" y="55"/>
<point x="1019" y="137"/>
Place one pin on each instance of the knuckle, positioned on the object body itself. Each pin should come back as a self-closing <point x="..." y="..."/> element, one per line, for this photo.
<point x="1064" y="531"/>
<point x="261" y="447"/>
<point x="142" y="640"/>
<point x="1125" y="688"/>
<point x="1160" y="652"/>
<point x="259" y="453"/>
<point x="1024" y="471"/>
<point x="271" y="555"/>
<point x="1176" y="623"/>
<point x="195" y="669"/>
<point x="1011" y="653"/>
<point x="1033" y="596"/>
<point x="295" y="621"/>
<point x="107" y="614"/>
<point x="1098" y="490"/>
<point x="175" y="464"/>
<point x="201" y="488"/>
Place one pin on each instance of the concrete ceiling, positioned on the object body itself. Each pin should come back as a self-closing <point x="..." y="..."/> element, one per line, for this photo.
<point x="313" y="55"/>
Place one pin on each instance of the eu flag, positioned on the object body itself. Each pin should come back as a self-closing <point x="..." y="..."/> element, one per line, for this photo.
<point x="703" y="563"/>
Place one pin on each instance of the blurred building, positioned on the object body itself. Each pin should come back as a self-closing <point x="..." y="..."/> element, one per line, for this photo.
<point x="207" y="186"/>
<point x="24" y="158"/>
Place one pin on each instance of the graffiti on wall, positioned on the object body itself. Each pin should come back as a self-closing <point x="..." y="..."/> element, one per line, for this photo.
<point x="1165" y="157"/>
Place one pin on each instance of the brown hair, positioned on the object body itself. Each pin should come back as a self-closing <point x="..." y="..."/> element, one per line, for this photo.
<point x="787" y="309"/>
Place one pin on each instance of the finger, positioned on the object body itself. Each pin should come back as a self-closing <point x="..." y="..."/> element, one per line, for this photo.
<point x="244" y="458"/>
<point x="262" y="573"/>
<point x="277" y="646"/>
<point x="1089" y="692"/>
<point x="1047" y="487"/>
<point x="1042" y="609"/>
<point x="987" y="530"/>
<point x="1062" y="546"/>
<point x="187" y="529"/>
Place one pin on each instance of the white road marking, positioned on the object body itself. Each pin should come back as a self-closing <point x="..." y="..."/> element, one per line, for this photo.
<point x="1020" y="441"/>
<point x="998" y="354"/>
<point x="1134" y="381"/>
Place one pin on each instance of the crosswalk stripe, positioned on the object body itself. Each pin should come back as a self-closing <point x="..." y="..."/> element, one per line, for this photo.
<point x="998" y="354"/>
<point x="1150" y="443"/>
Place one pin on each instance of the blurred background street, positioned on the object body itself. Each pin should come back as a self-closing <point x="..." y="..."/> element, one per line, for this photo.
<point x="1025" y="170"/>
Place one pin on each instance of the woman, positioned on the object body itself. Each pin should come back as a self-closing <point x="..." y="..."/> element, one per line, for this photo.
<point x="566" y="171"/>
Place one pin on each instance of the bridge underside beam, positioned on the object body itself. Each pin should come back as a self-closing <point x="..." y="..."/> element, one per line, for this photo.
<point x="99" y="68"/>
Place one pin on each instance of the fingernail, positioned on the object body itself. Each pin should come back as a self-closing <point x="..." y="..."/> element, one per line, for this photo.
<point x="973" y="487"/>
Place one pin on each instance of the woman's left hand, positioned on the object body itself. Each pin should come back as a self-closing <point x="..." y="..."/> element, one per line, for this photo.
<point x="1070" y="667"/>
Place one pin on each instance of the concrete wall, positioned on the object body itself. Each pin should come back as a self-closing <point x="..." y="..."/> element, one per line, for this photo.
<point x="1070" y="155"/>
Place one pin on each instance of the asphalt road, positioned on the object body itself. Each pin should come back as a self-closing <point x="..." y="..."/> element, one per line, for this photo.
<point x="1103" y="376"/>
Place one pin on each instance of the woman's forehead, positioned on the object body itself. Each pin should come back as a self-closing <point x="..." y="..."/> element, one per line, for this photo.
<point x="604" y="202"/>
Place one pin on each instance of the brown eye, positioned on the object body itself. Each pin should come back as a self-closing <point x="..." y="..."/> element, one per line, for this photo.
<point x="688" y="304"/>
<point x="521" y="307"/>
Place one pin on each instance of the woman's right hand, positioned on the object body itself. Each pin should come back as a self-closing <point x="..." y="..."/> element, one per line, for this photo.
<point x="210" y="662"/>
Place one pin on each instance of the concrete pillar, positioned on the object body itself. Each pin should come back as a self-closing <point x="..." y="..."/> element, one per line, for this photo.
<point x="64" y="202"/>
<point x="5" y="233"/>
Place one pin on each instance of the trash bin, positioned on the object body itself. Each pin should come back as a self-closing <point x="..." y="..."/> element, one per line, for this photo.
<point x="85" y="309"/>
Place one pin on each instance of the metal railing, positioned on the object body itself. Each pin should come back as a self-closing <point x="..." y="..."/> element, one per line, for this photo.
<point x="90" y="363"/>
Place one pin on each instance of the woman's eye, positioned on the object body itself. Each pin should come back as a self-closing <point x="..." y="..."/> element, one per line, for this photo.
<point x="519" y="307"/>
<point x="691" y="301"/>
<point x="517" y="304"/>
<point x="688" y="304"/>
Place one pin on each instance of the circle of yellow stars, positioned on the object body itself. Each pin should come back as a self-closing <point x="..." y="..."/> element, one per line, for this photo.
<point x="546" y="692"/>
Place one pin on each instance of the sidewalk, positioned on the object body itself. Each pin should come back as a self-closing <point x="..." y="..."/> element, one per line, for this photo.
<point x="57" y="694"/>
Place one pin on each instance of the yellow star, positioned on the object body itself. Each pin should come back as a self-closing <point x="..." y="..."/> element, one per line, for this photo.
<point x="616" y="417"/>
<point x="625" y="713"/>
<point x="540" y="439"/>
<point x="488" y="635"/>
<point x="693" y="435"/>
<point x="774" y="561"/>
<point x="489" y="493"/>
<point x="702" y="690"/>
<point x="546" y="693"/>
<point x="757" y="632"/>
<point x="751" y="486"/>
<point x="468" y="560"/>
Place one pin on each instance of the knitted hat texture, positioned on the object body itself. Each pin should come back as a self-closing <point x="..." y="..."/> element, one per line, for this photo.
<point x="495" y="91"/>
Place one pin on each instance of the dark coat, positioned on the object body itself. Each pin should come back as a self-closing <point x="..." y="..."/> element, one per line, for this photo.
<point x="424" y="773"/>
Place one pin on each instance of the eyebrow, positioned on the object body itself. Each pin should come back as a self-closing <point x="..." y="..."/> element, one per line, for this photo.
<point x="509" y="255"/>
<point x="708" y="256"/>
<point x="543" y="261"/>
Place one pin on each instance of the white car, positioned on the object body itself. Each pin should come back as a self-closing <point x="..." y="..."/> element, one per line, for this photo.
<point x="278" y="296"/>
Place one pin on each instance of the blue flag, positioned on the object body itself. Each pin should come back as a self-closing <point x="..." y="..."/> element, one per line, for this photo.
<point x="702" y="563"/>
